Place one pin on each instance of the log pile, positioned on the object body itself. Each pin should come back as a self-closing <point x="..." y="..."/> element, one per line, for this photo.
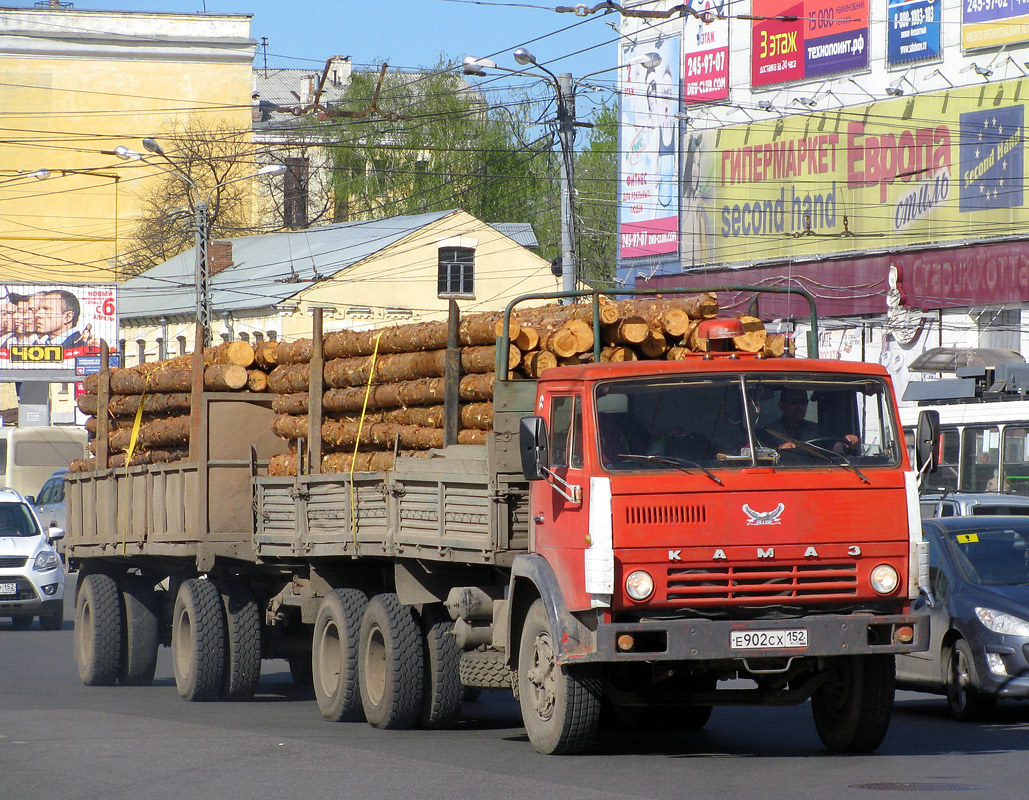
<point x="163" y="388"/>
<point x="383" y="390"/>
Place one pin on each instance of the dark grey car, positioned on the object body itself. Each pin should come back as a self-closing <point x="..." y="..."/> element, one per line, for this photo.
<point x="979" y="610"/>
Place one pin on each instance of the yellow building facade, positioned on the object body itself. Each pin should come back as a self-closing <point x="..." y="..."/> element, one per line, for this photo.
<point x="76" y="83"/>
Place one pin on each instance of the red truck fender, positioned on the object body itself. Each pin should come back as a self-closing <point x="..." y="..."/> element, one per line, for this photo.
<point x="532" y="577"/>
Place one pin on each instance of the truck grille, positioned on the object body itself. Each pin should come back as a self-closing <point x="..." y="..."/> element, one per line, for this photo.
<point x="749" y="584"/>
<point x="672" y="514"/>
<point x="13" y="562"/>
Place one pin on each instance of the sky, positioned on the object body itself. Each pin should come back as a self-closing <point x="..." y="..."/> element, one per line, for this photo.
<point x="407" y="33"/>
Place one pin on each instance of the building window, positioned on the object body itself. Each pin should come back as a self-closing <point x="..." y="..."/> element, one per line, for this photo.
<point x="294" y="199"/>
<point x="456" y="272"/>
<point x="1000" y="328"/>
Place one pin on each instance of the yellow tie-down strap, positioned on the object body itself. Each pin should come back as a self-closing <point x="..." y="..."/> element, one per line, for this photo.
<point x="357" y="442"/>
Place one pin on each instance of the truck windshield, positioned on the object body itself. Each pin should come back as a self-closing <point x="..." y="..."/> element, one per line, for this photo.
<point x="802" y="421"/>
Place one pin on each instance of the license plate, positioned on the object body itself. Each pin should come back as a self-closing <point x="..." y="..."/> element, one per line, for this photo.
<point x="768" y="640"/>
<point x="8" y="588"/>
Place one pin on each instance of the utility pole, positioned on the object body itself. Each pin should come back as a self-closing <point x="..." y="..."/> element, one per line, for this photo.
<point x="203" y="269"/>
<point x="565" y="90"/>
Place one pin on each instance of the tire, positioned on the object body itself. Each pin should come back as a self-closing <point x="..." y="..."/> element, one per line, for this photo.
<point x="53" y="621"/>
<point x="484" y="669"/>
<point x="390" y="663"/>
<point x="22" y="622"/>
<point x="963" y="697"/>
<point x="243" y="642"/>
<point x="198" y="640"/>
<point x="139" y="634"/>
<point x="98" y="625"/>
<point x="852" y="714"/>
<point x="560" y="704"/>
<point x="442" y="691"/>
<point x="332" y="665"/>
<point x="301" y="670"/>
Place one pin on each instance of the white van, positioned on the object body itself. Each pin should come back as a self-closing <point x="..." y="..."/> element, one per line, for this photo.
<point x="28" y="456"/>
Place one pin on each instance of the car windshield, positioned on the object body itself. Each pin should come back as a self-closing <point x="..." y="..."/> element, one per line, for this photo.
<point x="991" y="556"/>
<point x="17" y="520"/>
<point x="802" y="421"/>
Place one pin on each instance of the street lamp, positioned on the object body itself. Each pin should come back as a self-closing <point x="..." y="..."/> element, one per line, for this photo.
<point x="201" y="229"/>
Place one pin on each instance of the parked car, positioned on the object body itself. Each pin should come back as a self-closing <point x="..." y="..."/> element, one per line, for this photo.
<point x="49" y="505"/>
<point x="963" y="504"/>
<point x="31" y="573"/>
<point x="979" y="611"/>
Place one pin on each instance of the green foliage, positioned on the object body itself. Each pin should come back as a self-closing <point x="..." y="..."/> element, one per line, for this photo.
<point x="596" y="201"/>
<point x="429" y="141"/>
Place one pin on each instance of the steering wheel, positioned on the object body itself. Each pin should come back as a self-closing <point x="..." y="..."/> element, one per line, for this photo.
<point x="825" y="442"/>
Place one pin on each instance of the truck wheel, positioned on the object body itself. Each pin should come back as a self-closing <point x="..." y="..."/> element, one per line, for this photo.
<point x="484" y="669"/>
<point x="198" y="640"/>
<point x="390" y="663"/>
<point x="560" y="704"/>
<point x="243" y="640"/>
<point x="139" y="641"/>
<point x="22" y="622"/>
<point x="963" y="697"/>
<point x="333" y="660"/>
<point x="442" y="692"/>
<point x="853" y="713"/>
<point x="97" y="630"/>
<point x="301" y="670"/>
<point x="53" y="621"/>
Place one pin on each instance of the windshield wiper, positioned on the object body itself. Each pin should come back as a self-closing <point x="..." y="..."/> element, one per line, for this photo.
<point x="681" y="463"/>
<point x="828" y="455"/>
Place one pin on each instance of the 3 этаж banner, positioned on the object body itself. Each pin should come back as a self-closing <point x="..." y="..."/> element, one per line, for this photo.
<point x="827" y="38"/>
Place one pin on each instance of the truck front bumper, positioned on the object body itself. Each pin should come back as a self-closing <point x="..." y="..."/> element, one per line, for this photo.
<point x="707" y="640"/>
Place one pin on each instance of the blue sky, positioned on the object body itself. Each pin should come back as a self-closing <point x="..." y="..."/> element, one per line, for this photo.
<point x="407" y="33"/>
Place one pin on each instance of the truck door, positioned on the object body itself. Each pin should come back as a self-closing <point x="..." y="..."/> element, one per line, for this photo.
<point x="561" y="513"/>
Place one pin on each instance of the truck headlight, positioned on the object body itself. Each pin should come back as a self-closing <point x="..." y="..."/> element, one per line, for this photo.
<point x="46" y="560"/>
<point x="999" y="622"/>
<point x="884" y="579"/>
<point x="639" y="585"/>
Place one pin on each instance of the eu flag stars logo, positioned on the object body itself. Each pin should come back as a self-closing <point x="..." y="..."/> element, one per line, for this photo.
<point x="992" y="158"/>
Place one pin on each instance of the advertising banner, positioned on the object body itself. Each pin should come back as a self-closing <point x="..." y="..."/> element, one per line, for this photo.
<point x="913" y="31"/>
<point x="648" y="221"/>
<point x="705" y="49"/>
<point x="49" y="327"/>
<point x="898" y="174"/>
<point x="827" y="38"/>
<point x="993" y="23"/>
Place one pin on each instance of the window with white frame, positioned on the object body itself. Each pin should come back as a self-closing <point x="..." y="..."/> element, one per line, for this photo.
<point x="456" y="272"/>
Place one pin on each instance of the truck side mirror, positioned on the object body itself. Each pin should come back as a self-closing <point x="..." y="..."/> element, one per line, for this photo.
<point x="927" y="441"/>
<point x="532" y="444"/>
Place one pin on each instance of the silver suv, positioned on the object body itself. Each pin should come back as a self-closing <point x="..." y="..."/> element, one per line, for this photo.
<point x="31" y="573"/>
<point x="972" y="504"/>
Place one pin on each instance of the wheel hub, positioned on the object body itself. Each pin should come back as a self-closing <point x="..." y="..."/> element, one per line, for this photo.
<point x="541" y="676"/>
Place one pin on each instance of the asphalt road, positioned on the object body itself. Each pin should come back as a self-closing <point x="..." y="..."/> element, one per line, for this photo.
<point x="60" y="739"/>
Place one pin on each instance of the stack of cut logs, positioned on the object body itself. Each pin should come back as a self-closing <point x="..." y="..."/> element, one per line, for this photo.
<point x="365" y="425"/>
<point x="164" y="388"/>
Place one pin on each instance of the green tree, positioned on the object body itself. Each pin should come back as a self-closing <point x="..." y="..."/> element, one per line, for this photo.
<point x="596" y="201"/>
<point x="429" y="141"/>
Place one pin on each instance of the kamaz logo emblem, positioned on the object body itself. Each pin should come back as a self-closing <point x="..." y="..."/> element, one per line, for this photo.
<point x="764" y="517"/>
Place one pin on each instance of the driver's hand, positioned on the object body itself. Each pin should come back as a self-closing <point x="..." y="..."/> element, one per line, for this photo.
<point x="850" y="444"/>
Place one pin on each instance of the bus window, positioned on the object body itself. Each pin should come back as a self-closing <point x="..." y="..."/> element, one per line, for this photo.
<point x="1016" y="460"/>
<point x="946" y="477"/>
<point x="980" y="458"/>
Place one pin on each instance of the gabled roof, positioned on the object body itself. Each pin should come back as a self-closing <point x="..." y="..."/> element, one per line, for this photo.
<point x="266" y="269"/>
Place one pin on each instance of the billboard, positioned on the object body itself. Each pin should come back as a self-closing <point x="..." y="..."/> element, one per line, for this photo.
<point x="648" y="215"/>
<point x="705" y="50"/>
<point x="823" y="38"/>
<point x="898" y="174"/>
<point x="912" y="31"/>
<point x="993" y="23"/>
<point x="45" y="328"/>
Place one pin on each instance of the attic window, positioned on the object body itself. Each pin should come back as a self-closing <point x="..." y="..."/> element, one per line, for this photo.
<point x="359" y="311"/>
<point x="456" y="276"/>
<point x="398" y="311"/>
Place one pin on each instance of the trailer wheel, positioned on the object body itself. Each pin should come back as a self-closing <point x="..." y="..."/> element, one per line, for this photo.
<point x="560" y="704"/>
<point x="442" y="692"/>
<point x="139" y="634"/>
<point x="243" y="642"/>
<point x="333" y="662"/>
<point x="198" y="640"/>
<point x="852" y="714"/>
<point x="390" y="663"/>
<point x="97" y="630"/>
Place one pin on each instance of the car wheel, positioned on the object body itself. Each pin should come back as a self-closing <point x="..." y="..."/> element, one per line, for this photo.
<point x="53" y="621"/>
<point x="22" y="622"/>
<point x="963" y="696"/>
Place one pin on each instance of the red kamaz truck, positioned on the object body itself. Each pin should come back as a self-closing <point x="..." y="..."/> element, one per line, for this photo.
<point x="640" y="541"/>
